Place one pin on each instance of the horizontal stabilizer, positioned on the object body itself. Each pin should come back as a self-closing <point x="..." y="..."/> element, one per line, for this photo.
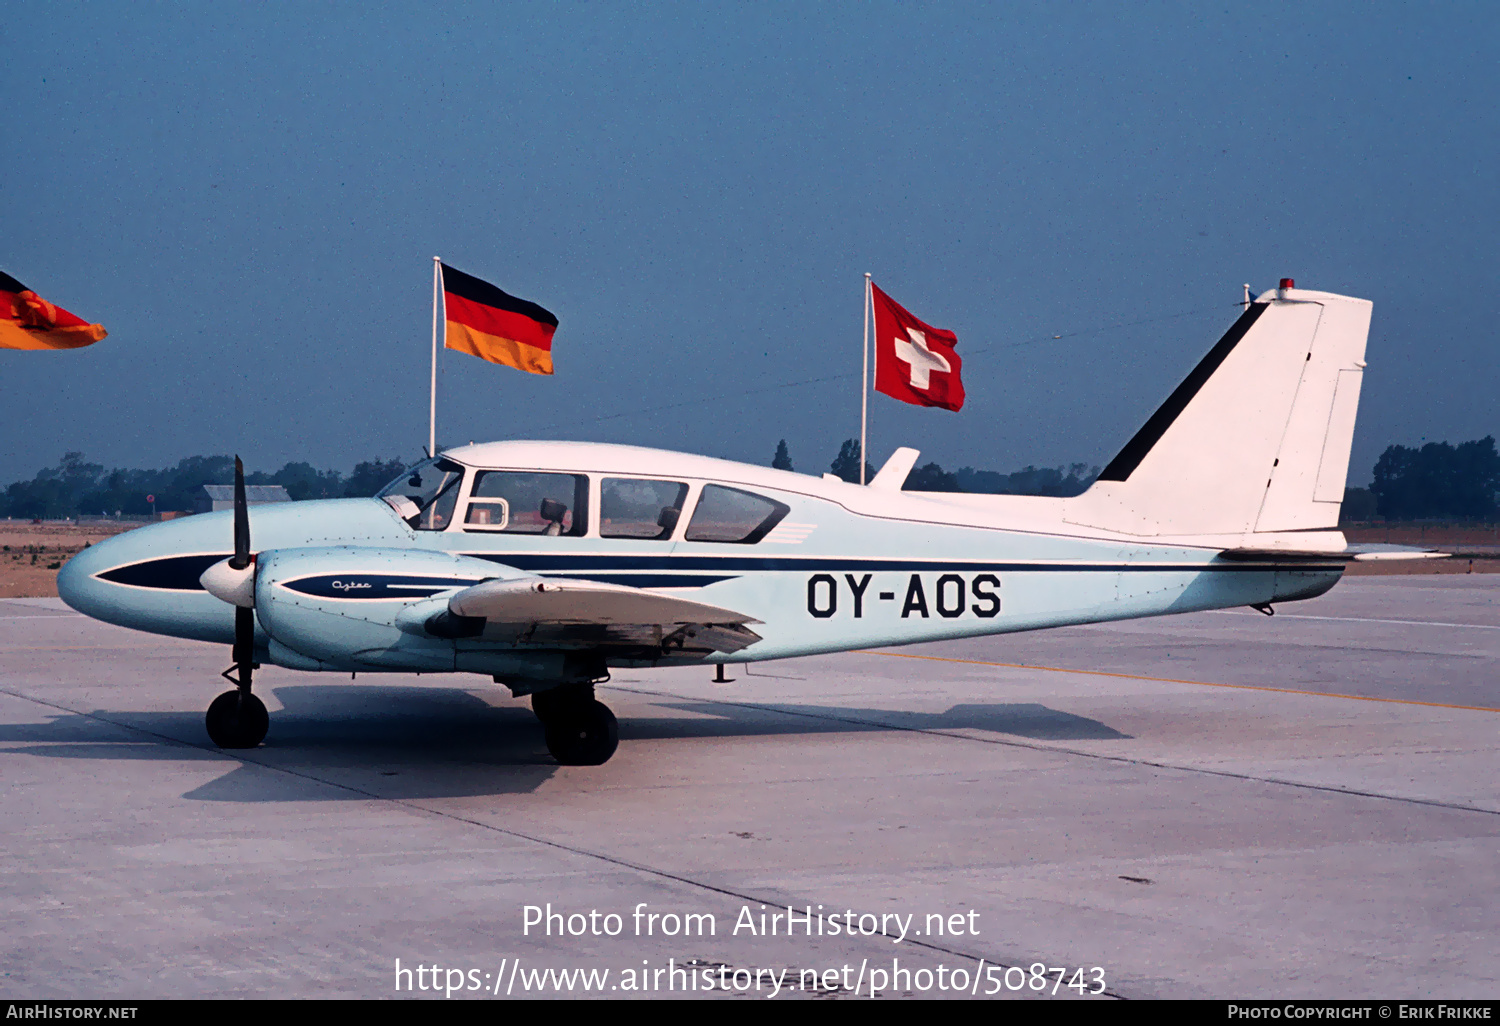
<point x="1350" y="553"/>
<point x="1369" y="553"/>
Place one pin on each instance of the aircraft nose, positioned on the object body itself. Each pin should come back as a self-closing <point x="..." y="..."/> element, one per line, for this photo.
<point x="147" y="579"/>
<point x="78" y="586"/>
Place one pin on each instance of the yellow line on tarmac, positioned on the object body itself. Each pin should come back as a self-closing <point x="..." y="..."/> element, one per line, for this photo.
<point x="1199" y="683"/>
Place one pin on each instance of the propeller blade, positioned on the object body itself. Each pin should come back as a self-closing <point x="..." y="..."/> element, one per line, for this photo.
<point x="241" y="558"/>
<point x="243" y="652"/>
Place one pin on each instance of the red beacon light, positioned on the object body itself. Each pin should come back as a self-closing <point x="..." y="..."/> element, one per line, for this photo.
<point x="1288" y="283"/>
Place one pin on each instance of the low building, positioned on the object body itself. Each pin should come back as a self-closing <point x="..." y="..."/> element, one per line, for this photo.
<point x="217" y="497"/>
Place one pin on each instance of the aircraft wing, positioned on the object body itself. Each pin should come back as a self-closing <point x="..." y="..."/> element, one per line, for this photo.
<point x="569" y="611"/>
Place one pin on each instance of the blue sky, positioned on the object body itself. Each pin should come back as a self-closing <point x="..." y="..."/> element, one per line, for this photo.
<point x="249" y="198"/>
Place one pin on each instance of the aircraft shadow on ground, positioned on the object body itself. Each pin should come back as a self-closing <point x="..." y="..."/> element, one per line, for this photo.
<point x="422" y="742"/>
<point x="1019" y="719"/>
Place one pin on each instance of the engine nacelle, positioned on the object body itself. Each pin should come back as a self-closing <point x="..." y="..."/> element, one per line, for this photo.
<point x="339" y="607"/>
<point x="372" y="609"/>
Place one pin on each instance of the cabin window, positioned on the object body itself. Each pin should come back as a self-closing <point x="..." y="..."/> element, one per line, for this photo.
<point x="514" y="502"/>
<point x="630" y="508"/>
<point x="730" y="515"/>
<point x="432" y="487"/>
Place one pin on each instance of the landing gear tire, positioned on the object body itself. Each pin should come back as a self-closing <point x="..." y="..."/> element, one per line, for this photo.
<point x="237" y="720"/>
<point x="586" y="735"/>
<point x="554" y="704"/>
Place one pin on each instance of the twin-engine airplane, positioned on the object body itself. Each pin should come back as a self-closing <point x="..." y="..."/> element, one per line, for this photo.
<point x="544" y="564"/>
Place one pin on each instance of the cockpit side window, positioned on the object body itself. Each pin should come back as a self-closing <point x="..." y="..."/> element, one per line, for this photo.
<point x="632" y="508"/>
<point x="432" y="487"/>
<point x="517" y="502"/>
<point x="731" y="515"/>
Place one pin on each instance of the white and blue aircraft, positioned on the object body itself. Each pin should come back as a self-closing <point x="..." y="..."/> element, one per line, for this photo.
<point x="544" y="564"/>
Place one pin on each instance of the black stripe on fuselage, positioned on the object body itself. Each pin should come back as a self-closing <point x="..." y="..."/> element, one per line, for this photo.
<point x="375" y="586"/>
<point x="174" y="573"/>
<point x="581" y="565"/>
<point x="181" y="573"/>
<point x="1135" y="450"/>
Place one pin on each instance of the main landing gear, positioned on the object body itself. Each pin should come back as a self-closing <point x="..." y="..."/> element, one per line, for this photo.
<point x="580" y="730"/>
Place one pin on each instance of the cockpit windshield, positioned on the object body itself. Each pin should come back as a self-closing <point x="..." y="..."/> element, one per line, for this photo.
<point x="431" y="488"/>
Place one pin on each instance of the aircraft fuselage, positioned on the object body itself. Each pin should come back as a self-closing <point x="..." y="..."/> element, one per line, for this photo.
<point x="842" y="566"/>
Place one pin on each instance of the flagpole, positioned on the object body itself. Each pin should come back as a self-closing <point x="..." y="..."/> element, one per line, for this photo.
<point x="864" y="385"/>
<point x="437" y="298"/>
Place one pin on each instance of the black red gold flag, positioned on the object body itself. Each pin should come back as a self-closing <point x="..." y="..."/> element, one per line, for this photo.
<point x="493" y="325"/>
<point x="27" y="321"/>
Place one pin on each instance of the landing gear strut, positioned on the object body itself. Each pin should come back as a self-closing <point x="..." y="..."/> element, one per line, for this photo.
<point x="580" y="730"/>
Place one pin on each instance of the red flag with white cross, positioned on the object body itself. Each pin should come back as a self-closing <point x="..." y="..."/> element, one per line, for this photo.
<point x="914" y="362"/>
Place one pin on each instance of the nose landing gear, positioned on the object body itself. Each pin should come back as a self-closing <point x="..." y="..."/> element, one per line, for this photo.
<point x="237" y="719"/>
<point x="580" y="730"/>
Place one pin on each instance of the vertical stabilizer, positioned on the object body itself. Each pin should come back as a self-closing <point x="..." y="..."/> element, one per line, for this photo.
<point x="1256" y="439"/>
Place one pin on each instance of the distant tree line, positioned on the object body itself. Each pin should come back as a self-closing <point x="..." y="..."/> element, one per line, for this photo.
<point x="77" y="487"/>
<point x="1438" y="481"/>
<point x="1435" y="481"/>
<point x="930" y="477"/>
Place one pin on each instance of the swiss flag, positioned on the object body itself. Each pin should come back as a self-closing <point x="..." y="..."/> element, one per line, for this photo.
<point x="914" y="362"/>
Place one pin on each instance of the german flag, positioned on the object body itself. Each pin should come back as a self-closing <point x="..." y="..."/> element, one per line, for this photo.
<point x="27" y="321"/>
<point x="496" y="326"/>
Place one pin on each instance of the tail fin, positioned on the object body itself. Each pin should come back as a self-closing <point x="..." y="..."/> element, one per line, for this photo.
<point x="1256" y="439"/>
